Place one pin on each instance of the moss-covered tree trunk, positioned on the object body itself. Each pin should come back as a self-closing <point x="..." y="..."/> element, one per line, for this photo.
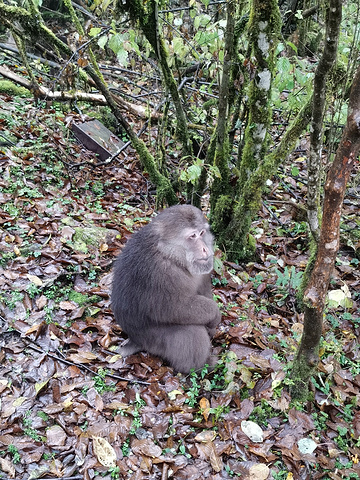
<point x="239" y="244"/>
<point x="316" y="291"/>
<point x="219" y="151"/>
<point x="264" y="26"/>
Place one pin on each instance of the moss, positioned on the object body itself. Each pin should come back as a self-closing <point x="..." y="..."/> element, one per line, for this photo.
<point x="88" y="238"/>
<point x="221" y="214"/>
<point x="85" y="237"/>
<point x="306" y="275"/>
<point x="300" y="376"/>
<point x="235" y="238"/>
<point x="11" y="89"/>
<point x="82" y="299"/>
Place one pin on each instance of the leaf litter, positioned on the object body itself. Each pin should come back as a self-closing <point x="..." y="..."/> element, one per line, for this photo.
<point x="72" y="408"/>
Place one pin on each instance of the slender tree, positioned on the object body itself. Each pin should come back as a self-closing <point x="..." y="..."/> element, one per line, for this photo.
<point x="315" y="294"/>
<point x="327" y="60"/>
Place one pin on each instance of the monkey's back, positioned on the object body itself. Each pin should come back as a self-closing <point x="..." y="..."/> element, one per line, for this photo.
<point x="145" y="284"/>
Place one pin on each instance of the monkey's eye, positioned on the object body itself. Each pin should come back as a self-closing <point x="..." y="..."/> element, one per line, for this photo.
<point x="202" y="233"/>
<point x="193" y="236"/>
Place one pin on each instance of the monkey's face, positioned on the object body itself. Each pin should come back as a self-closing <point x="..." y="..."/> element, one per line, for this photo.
<point x="198" y="250"/>
<point x="184" y="238"/>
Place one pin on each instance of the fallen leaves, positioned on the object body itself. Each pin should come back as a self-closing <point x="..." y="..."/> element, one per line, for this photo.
<point x="63" y="419"/>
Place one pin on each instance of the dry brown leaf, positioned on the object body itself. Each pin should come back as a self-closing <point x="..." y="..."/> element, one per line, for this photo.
<point x="66" y="305"/>
<point x="209" y="451"/>
<point x="7" y="467"/>
<point x="255" y="471"/>
<point x="205" y="436"/>
<point x="205" y="407"/>
<point x="82" y="357"/>
<point x="146" y="447"/>
<point x="104" y="452"/>
<point x="41" y="302"/>
<point x="55" y="436"/>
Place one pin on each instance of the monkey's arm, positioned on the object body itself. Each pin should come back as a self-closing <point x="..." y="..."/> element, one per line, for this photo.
<point x="195" y="310"/>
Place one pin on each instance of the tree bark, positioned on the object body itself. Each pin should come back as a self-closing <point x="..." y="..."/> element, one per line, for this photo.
<point x="315" y="294"/>
<point x="220" y="138"/>
<point x="333" y="20"/>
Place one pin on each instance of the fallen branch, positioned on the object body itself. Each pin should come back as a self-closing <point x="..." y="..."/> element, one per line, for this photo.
<point x="61" y="96"/>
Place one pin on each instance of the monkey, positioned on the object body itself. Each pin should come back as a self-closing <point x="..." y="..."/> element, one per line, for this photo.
<point x="161" y="292"/>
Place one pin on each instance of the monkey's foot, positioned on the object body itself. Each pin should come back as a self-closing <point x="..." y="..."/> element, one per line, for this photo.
<point x="129" y="348"/>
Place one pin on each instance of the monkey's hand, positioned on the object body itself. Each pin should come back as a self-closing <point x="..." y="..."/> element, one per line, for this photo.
<point x="200" y="310"/>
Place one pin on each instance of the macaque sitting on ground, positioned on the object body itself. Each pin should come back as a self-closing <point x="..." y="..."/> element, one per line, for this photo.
<point x="161" y="293"/>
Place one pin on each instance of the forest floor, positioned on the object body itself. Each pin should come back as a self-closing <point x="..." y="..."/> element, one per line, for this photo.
<point x="71" y="407"/>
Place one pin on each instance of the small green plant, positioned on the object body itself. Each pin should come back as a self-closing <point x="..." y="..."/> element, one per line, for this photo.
<point x="49" y="456"/>
<point x="126" y="448"/>
<point x="11" y="209"/>
<point x="322" y="386"/>
<point x="84" y="390"/>
<point x="100" y="384"/>
<point x="28" y="430"/>
<point x="33" y="290"/>
<point x="43" y="415"/>
<point x="193" y="392"/>
<point x="320" y="419"/>
<point x="341" y="440"/>
<point x="114" y="472"/>
<point x="137" y="406"/>
<point x="289" y="278"/>
<point x="15" y="297"/>
<point x="98" y="188"/>
<point x="14" y="452"/>
<point x="230" y="472"/>
<point x="262" y="413"/>
<point x="182" y="449"/>
<point x="84" y="426"/>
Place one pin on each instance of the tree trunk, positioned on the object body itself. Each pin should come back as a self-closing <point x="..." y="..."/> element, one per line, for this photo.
<point x="333" y="20"/>
<point x="315" y="294"/>
<point x="219" y="150"/>
<point x="264" y="27"/>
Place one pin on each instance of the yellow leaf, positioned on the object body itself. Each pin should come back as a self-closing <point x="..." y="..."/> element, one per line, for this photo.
<point x="39" y="386"/>
<point x="35" y="280"/>
<point x="173" y="393"/>
<point x="67" y="403"/>
<point x="82" y="357"/>
<point x="19" y="401"/>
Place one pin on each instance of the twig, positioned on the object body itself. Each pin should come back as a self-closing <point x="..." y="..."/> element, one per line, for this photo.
<point x="31" y="344"/>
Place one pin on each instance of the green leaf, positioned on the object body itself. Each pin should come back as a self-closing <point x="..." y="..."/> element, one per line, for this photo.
<point x="178" y="46"/>
<point x="295" y="171"/>
<point x="122" y="57"/>
<point x="293" y="46"/>
<point x="94" y="31"/>
<point x="116" y="43"/>
<point x="194" y="173"/>
<point x="102" y="41"/>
